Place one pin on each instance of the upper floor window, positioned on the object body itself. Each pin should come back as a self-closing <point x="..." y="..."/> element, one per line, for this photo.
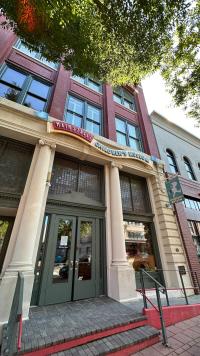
<point x="189" y="169"/>
<point x="194" y="227"/>
<point x="128" y="135"/>
<point x="34" y="54"/>
<point x="123" y="97"/>
<point x="24" y="89"/>
<point x="192" y="204"/>
<point x="80" y="113"/>
<point x="91" y="83"/>
<point x="172" y="162"/>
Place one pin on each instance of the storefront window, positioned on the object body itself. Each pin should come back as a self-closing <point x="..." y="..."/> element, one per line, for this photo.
<point x="139" y="248"/>
<point x="194" y="227"/>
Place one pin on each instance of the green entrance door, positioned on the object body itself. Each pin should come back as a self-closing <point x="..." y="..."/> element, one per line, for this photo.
<point x="70" y="264"/>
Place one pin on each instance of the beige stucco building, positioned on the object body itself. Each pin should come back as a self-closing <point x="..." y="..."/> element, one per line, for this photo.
<point x="69" y="242"/>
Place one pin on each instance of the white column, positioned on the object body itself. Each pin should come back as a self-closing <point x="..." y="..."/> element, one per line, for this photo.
<point x="28" y="232"/>
<point x="122" y="277"/>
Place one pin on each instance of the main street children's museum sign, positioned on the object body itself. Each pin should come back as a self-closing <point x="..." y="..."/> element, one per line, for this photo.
<point x="81" y="134"/>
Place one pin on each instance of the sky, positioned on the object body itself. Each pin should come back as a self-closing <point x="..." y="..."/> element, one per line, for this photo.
<point x="158" y="99"/>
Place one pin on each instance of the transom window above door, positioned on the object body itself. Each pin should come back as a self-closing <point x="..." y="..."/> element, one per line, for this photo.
<point x="82" y="114"/>
<point x="24" y="89"/>
<point x="123" y="97"/>
<point x="128" y="134"/>
<point x="89" y="82"/>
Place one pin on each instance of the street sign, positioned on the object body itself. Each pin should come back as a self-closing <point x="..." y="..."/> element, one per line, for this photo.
<point x="174" y="190"/>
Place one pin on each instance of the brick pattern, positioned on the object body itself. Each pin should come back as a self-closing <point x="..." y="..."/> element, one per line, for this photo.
<point x="190" y="249"/>
<point x="112" y="343"/>
<point x="183" y="340"/>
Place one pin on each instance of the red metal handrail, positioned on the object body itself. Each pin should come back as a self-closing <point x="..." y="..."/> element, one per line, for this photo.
<point x="19" y="339"/>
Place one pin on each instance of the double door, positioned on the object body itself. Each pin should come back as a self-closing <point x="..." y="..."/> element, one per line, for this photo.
<point x="70" y="269"/>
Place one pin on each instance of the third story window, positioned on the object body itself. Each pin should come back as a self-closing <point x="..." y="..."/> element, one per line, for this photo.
<point x="128" y="135"/>
<point x="24" y="89"/>
<point x="123" y="97"/>
<point x="189" y="169"/>
<point x="172" y="162"/>
<point x="80" y="113"/>
<point x="34" y="54"/>
<point x="91" y="83"/>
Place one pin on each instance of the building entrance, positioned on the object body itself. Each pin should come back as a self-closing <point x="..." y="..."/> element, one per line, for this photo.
<point x="72" y="259"/>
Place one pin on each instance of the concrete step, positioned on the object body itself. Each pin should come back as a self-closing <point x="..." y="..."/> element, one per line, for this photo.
<point x="41" y="346"/>
<point x="120" y="344"/>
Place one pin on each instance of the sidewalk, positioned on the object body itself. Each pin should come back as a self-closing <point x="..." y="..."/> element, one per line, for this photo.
<point x="183" y="340"/>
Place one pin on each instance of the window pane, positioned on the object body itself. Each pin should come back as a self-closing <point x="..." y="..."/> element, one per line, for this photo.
<point x="85" y="251"/>
<point x="139" y="247"/>
<point x="49" y="63"/>
<point x="8" y="93"/>
<point x="128" y="105"/>
<point x="126" y="193"/>
<point x="187" y="203"/>
<point x="39" y="89"/>
<point x="120" y="125"/>
<point x="75" y="105"/>
<point x="34" y="103"/>
<point x="121" y="139"/>
<point x="127" y="96"/>
<point x="134" y="143"/>
<point x="117" y="99"/>
<point x="173" y="169"/>
<point x="93" y="127"/>
<point x="93" y="113"/>
<point x="93" y="85"/>
<point x="13" y="77"/>
<point x="78" y="79"/>
<point x="25" y="49"/>
<point x="73" y="119"/>
<point x="132" y="131"/>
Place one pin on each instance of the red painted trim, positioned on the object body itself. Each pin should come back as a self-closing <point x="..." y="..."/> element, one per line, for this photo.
<point x="172" y="314"/>
<point x="84" y="340"/>
<point x="135" y="348"/>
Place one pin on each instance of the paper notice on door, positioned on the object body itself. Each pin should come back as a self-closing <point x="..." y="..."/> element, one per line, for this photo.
<point x="63" y="240"/>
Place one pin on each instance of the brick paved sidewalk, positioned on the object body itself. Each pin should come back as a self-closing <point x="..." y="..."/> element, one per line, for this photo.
<point x="183" y="339"/>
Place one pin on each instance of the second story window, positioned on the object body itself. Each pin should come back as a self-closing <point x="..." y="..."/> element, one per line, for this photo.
<point x="172" y="162"/>
<point x="34" y="54"/>
<point x="82" y="114"/>
<point x="128" y="135"/>
<point x="123" y="97"/>
<point x="189" y="169"/>
<point x="24" y="89"/>
<point x="89" y="82"/>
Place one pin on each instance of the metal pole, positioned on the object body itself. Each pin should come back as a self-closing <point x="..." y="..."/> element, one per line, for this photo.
<point x="184" y="291"/>
<point x="164" y="334"/>
<point x="143" y="289"/>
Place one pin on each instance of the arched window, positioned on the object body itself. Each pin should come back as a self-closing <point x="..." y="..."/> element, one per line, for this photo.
<point x="188" y="168"/>
<point x="172" y="162"/>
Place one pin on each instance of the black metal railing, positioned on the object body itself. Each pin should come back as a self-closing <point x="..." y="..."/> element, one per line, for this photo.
<point x="12" y="331"/>
<point x="159" y="288"/>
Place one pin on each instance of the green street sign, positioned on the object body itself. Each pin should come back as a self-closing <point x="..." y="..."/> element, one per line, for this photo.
<point x="174" y="190"/>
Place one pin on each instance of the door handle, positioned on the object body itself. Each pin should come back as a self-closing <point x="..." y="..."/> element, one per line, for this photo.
<point x="71" y="264"/>
<point x="76" y="264"/>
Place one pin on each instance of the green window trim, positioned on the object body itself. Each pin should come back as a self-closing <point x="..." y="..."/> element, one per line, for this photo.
<point x="82" y="114"/>
<point x="24" y="88"/>
<point x="128" y="134"/>
<point x="91" y="83"/>
<point x="172" y="161"/>
<point x="123" y="97"/>
<point x="19" y="45"/>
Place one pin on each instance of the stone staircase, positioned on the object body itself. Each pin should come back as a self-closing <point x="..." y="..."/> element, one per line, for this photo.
<point x="99" y="326"/>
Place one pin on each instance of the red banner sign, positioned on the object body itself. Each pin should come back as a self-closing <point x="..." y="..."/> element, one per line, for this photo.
<point x="78" y="131"/>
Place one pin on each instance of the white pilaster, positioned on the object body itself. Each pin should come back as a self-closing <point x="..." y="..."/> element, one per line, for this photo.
<point x="122" y="278"/>
<point x="27" y="230"/>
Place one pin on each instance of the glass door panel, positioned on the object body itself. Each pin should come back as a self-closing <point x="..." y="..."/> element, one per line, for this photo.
<point x="57" y="278"/>
<point x="62" y="254"/>
<point x="84" y="277"/>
